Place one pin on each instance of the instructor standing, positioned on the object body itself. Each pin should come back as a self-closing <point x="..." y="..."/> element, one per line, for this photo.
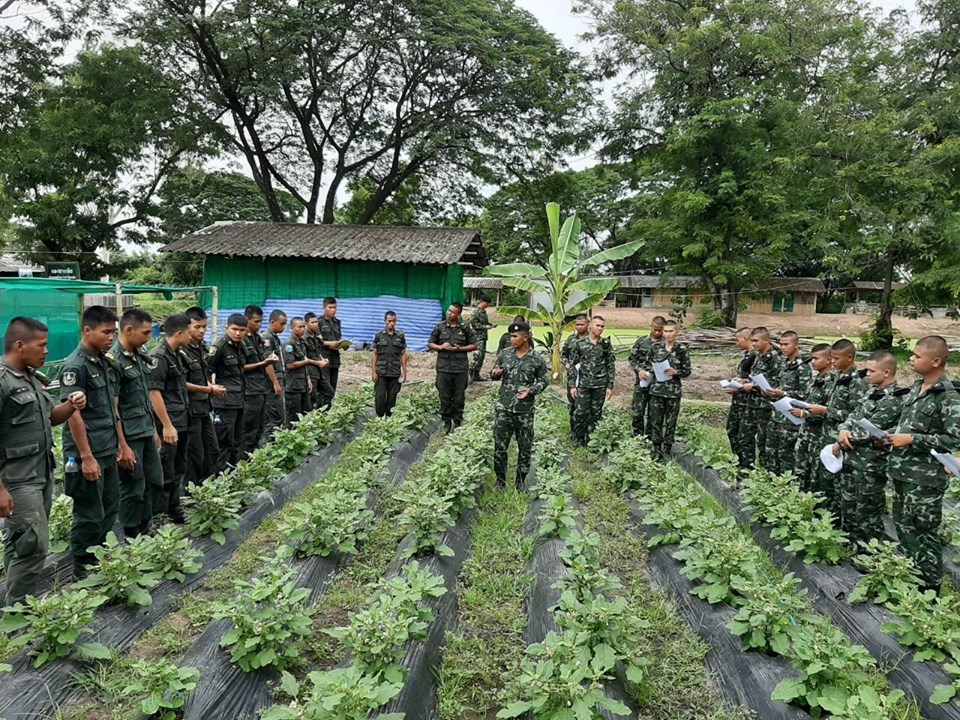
<point x="452" y="341"/>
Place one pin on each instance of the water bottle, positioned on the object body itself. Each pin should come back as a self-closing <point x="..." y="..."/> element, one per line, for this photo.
<point x="71" y="466"/>
<point x="217" y="420"/>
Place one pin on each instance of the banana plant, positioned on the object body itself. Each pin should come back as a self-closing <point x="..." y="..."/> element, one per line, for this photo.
<point x="559" y="278"/>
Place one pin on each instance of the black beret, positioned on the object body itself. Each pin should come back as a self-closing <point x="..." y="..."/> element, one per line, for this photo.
<point x="518" y="327"/>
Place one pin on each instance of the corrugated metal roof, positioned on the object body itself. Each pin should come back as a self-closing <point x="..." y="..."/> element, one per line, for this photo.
<point x="796" y="284"/>
<point x="375" y="243"/>
<point x="483" y="283"/>
<point x="10" y="264"/>
<point x="871" y="285"/>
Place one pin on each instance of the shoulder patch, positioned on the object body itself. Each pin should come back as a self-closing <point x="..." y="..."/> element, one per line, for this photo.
<point x="213" y="350"/>
<point x="109" y="356"/>
<point x="288" y="348"/>
<point x="68" y="378"/>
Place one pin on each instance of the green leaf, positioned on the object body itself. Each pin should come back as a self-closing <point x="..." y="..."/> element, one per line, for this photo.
<point x="567" y="250"/>
<point x="150" y="704"/>
<point x="594" y="285"/>
<point x="612" y="254"/>
<point x="525" y="284"/>
<point x="517" y="270"/>
<point x="943" y="694"/>
<point x="515" y="709"/>
<point x="94" y="651"/>
<point x="553" y="222"/>
<point x="589" y="302"/>
<point x="614" y="706"/>
<point x="788" y="690"/>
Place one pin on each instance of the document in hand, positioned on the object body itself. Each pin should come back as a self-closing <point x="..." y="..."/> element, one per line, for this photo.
<point x="951" y="463"/>
<point x="831" y="462"/>
<point x="645" y="383"/>
<point x="730" y="384"/>
<point x="660" y="370"/>
<point x="872" y="430"/>
<point x="799" y="403"/>
<point x="783" y="406"/>
<point x="761" y="382"/>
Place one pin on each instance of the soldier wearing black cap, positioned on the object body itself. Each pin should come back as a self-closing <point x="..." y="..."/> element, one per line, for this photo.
<point x="523" y="375"/>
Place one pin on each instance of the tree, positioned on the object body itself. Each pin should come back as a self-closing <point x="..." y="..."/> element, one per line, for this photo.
<point x="83" y="166"/>
<point x="559" y="277"/>
<point x="370" y="94"/>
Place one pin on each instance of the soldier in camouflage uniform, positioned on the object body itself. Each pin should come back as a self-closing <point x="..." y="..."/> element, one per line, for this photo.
<point x="929" y="420"/>
<point x="863" y="499"/>
<point x="847" y="389"/>
<point x="811" y="438"/>
<point x="641" y="388"/>
<point x="665" y="395"/>
<point x="523" y="373"/>
<point x="758" y="418"/>
<point x="581" y="325"/>
<point x="481" y="326"/>
<point x="27" y="416"/>
<point x="593" y="364"/>
<point x="794" y="378"/>
<point x="739" y="398"/>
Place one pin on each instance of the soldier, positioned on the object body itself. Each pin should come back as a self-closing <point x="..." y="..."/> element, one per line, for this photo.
<point x="739" y="398"/>
<point x="389" y="364"/>
<point x="846" y="391"/>
<point x="754" y="428"/>
<point x="665" y="395"/>
<point x="27" y="414"/>
<point x="523" y="373"/>
<point x="140" y="470"/>
<point x="481" y="326"/>
<point x="90" y="439"/>
<point x="331" y="342"/>
<point x="276" y="403"/>
<point x="452" y="340"/>
<point x="811" y="438"/>
<point x="863" y="501"/>
<point x="168" y="393"/>
<point x="581" y="326"/>
<point x="203" y="451"/>
<point x="296" y="362"/>
<point x="314" y="352"/>
<point x="226" y="365"/>
<point x="258" y="381"/>
<point x="794" y="378"/>
<point x="929" y="420"/>
<point x="504" y="342"/>
<point x="641" y="388"/>
<point x="594" y="368"/>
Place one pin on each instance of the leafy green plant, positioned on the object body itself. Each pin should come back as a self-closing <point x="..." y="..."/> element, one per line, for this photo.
<point x="270" y="619"/>
<point x="55" y="622"/>
<point x="61" y="519"/>
<point x="340" y="694"/>
<point x="170" y="553"/>
<point x="888" y="573"/>
<point x="771" y="611"/>
<point x="928" y="623"/>
<point x="558" y="516"/>
<point x="945" y="693"/>
<point x="609" y="432"/>
<point x="586" y="577"/>
<point x="818" y="541"/>
<point x="724" y="563"/>
<point x="214" y="509"/>
<point x="335" y="521"/>
<point x="162" y="686"/>
<point x="123" y="572"/>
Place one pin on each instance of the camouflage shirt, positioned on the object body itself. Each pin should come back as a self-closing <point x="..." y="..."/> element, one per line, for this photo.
<point x="933" y="418"/>
<point x="638" y="353"/>
<point x="817" y="393"/>
<point x="794" y="379"/>
<point x="529" y="371"/>
<point x="679" y="359"/>
<point x="480" y="321"/>
<point x="881" y="406"/>
<point x="743" y="371"/>
<point x="593" y="365"/>
<point x="770" y="365"/>
<point x="565" y="357"/>
<point x="848" y="388"/>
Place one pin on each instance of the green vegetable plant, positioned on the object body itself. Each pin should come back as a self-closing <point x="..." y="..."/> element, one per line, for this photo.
<point x="270" y="619"/>
<point x="169" y="553"/>
<point x="55" y="623"/>
<point x="214" y="509"/>
<point x="61" y="519"/>
<point x="162" y="686"/>
<point x="607" y="435"/>
<point x="927" y="623"/>
<point x="773" y="608"/>
<point x="888" y="573"/>
<point x="341" y="694"/>
<point x="723" y="563"/>
<point x="334" y="521"/>
<point x="123" y="572"/>
<point x="558" y="516"/>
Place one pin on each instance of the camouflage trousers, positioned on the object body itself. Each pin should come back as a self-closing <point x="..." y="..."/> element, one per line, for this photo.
<point x="641" y="409"/>
<point x="807" y="454"/>
<point x="587" y="411"/>
<point x="738" y="411"/>
<point x="663" y="424"/>
<point x="753" y="436"/>
<point x="781" y="445"/>
<point x="479" y="355"/>
<point x="917" y="514"/>
<point x="506" y="426"/>
<point x="863" y="502"/>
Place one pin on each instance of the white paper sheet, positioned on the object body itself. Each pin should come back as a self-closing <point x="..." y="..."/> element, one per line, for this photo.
<point x="645" y="383"/>
<point x="660" y="370"/>
<point x="951" y="463"/>
<point x="799" y="403"/>
<point x="730" y="384"/>
<point x="872" y="430"/>
<point x="784" y="407"/>
<point x="831" y="462"/>
<point x="761" y="382"/>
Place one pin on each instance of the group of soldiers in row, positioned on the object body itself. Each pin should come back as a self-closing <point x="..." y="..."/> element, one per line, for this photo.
<point x="834" y="396"/>
<point x="142" y="426"/>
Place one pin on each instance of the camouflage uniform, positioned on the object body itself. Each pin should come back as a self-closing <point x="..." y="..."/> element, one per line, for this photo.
<point x="759" y="414"/>
<point x="565" y="360"/>
<point x="593" y="366"/>
<point x="665" y="396"/>
<point x="782" y="435"/>
<point x="513" y="416"/>
<point x="919" y="481"/>
<point x="811" y="438"/>
<point x="641" y="394"/>
<point x="863" y="499"/>
<point x="738" y="408"/>
<point x="479" y="322"/>
<point x="848" y="389"/>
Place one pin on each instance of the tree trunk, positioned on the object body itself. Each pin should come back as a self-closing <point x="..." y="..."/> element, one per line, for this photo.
<point x="728" y="306"/>
<point x="884" y="325"/>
